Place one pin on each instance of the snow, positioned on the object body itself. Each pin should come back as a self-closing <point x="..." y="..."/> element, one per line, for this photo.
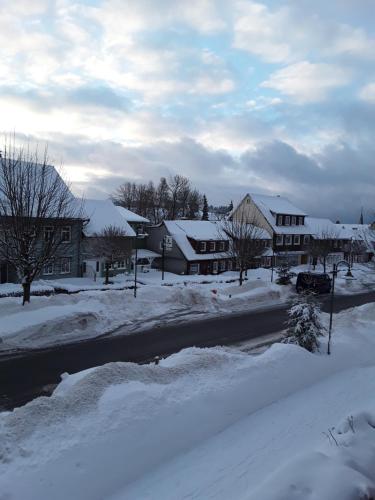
<point x="103" y="213"/>
<point x="276" y="204"/>
<point x="131" y="216"/>
<point x="204" y="423"/>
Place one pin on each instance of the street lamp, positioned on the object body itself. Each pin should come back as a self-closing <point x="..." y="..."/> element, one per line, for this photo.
<point x="139" y="236"/>
<point x="334" y="275"/>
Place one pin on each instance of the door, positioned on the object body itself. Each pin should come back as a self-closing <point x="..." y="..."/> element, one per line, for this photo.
<point x="3" y="273"/>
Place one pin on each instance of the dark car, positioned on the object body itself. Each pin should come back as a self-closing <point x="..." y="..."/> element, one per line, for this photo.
<point x="313" y="282"/>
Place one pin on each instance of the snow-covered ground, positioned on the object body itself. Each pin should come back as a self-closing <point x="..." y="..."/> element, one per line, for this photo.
<point x="205" y="423"/>
<point x="62" y="318"/>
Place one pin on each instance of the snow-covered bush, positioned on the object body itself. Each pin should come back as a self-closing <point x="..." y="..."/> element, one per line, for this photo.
<point x="284" y="274"/>
<point x="304" y="324"/>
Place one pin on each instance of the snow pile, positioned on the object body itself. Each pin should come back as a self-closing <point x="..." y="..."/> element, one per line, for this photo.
<point x="344" y="470"/>
<point x="60" y="318"/>
<point x="204" y="423"/>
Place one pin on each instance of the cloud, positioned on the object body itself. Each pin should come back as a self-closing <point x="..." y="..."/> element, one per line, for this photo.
<point x="367" y="93"/>
<point x="307" y="82"/>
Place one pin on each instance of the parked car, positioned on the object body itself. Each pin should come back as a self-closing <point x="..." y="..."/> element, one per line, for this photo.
<point x="313" y="282"/>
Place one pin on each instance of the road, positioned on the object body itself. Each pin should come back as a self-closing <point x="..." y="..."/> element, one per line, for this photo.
<point x="26" y="375"/>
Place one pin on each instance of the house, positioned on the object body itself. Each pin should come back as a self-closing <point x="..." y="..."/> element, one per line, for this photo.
<point x="60" y="228"/>
<point x="100" y="215"/>
<point x="358" y="242"/>
<point x="198" y="247"/>
<point x="285" y="222"/>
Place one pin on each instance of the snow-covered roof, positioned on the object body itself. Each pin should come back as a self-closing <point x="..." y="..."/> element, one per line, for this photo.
<point x="321" y="226"/>
<point x="195" y="229"/>
<point x="355" y="231"/>
<point x="101" y="214"/>
<point x="181" y="230"/>
<point x="143" y="253"/>
<point x="130" y="216"/>
<point x="276" y="204"/>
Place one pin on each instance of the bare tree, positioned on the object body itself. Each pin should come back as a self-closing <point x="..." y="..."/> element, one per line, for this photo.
<point x="112" y="244"/>
<point x="322" y="244"/>
<point x="245" y="242"/>
<point x="35" y="207"/>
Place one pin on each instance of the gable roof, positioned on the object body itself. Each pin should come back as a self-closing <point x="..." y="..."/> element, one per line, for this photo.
<point x="276" y="204"/>
<point x="130" y="216"/>
<point x="103" y="213"/>
<point x="199" y="230"/>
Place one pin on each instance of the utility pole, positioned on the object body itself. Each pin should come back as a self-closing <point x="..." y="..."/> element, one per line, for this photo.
<point x="163" y="259"/>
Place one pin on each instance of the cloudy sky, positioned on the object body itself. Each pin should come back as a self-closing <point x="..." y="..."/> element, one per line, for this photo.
<point x="274" y="97"/>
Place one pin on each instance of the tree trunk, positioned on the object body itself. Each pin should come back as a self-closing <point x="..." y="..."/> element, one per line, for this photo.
<point x="106" y="282"/>
<point x="26" y="292"/>
<point x="324" y="264"/>
<point x="241" y="277"/>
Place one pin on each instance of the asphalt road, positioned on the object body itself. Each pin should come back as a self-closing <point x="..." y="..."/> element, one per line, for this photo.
<point x="26" y="375"/>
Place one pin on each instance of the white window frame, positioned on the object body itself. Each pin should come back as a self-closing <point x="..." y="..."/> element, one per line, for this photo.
<point x="279" y="240"/>
<point x="68" y="261"/>
<point x="48" y="233"/>
<point x="287" y="220"/>
<point x="306" y="239"/>
<point x="215" y="266"/>
<point x="294" y="220"/>
<point x="297" y="239"/>
<point x="222" y="265"/>
<point x="279" y="220"/>
<point x="222" y="246"/>
<point x="196" y="266"/>
<point x="121" y="264"/>
<point x="230" y="265"/>
<point x="288" y="240"/>
<point x="48" y="269"/>
<point x="202" y="246"/>
<point x="212" y="246"/>
<point x="300" y="221"/>
<point x="66" y="230"/>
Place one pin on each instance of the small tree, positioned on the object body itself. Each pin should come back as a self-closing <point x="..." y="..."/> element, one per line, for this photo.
<point x="112" y="244"/>
<point x="244" y="245"/>
<point x="304" y="326"/>
<point x="284" y="274"/>
<point x="205" y="208"/>
<point x="33" y="198"/>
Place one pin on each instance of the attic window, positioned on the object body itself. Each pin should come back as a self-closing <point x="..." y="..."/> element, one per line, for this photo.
<point x="279" y="220"/>
<point x="287" y="220"/>
<point x="300" y="220"/>
<point x="202" y="246"/>
<point x="212" y="246"/>
<point x="294" y="220"/>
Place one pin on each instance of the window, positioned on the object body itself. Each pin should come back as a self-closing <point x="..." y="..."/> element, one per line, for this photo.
<point x="121" y="264"/>
<point x="297" y="239"/>
<point x="230" y="265"/>
<point x="65" y="265"/>
<point x="194" y="269"/>
<point x="279" y="239"/>
<point x="48" y="268"/>
<point x="335" y="243"/>
<point x="222" y="265"/>
<point x="279" y="220"/>
<point x="300" y="221"/>
<point x="306" y="239"/>
<point x="48" y="233"/>
<point x="288" y="239"/>
<point x="222" y="246"/>
<point x="215" y="266"/>
<point x="66" y="234"/>
<point x="212" y="246"/>
<point x="294" y="220"/>
<point x="202" y="246"/>
<point x="287" y="220"/>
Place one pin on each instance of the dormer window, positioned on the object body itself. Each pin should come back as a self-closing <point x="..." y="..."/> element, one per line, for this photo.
<point x="287" y="220"/>
<point x="300" y="221"/>
<point x="222" y="246"/>
<point x="279" y="220"/>
<point x="202" y="246"/>
<point x="212" y="246"/>
<point x="294" y="220"/>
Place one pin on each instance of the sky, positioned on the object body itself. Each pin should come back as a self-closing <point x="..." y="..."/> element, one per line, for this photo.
<point x="274" y="97"/>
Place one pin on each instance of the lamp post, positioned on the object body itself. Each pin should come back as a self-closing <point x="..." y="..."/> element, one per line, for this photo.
<point x="139" y="236"/>
<point x="334" y="275"/>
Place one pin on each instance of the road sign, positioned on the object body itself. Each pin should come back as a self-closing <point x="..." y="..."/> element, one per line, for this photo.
<point x="168" y="242"/>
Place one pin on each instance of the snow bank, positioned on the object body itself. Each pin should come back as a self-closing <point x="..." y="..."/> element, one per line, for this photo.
<point x="343" y="470"/>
